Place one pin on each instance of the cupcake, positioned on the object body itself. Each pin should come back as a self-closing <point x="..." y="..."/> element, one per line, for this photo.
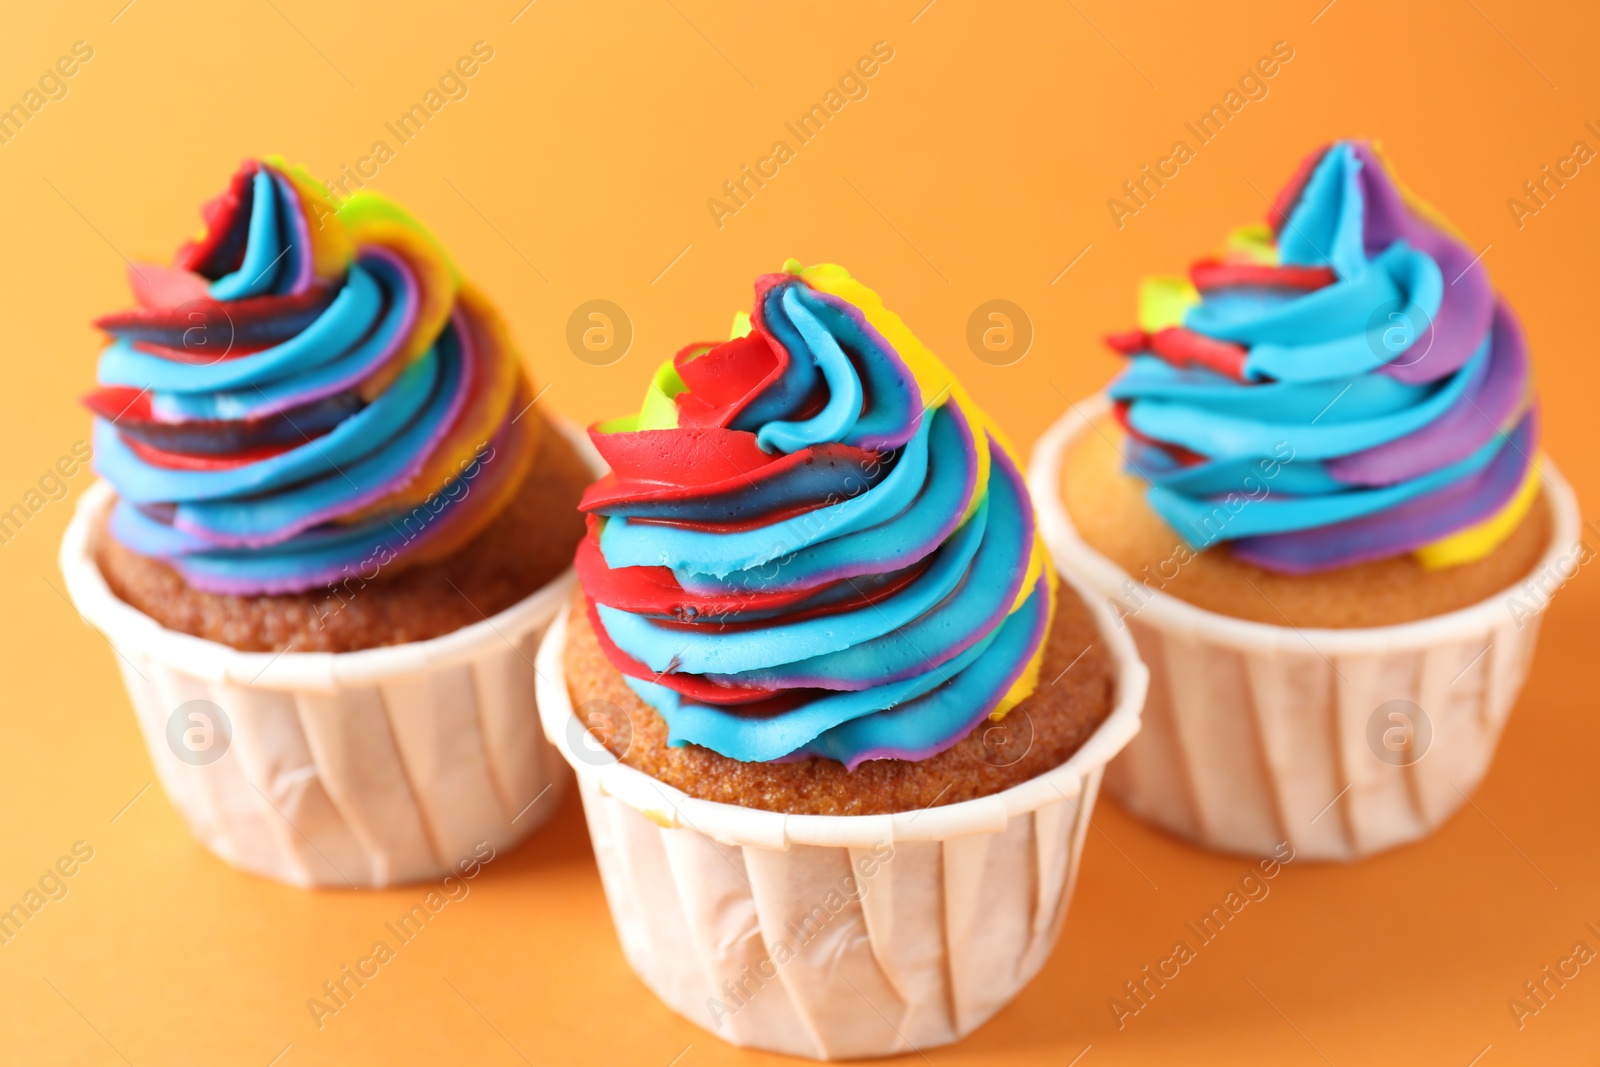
<point x="837" y="726"/>
<point x="332" y="528"/>
<point x="1316" y="497"/>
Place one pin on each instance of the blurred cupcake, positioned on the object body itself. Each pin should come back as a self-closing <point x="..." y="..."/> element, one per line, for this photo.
<point x="1315" y="495"/>
<point x="335" y="528"/>
<point x="818" y="637"/>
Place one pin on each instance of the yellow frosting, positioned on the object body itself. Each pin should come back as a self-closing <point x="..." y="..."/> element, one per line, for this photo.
<point x="1476" y="542"/>
<point x="937" y="385"/>
<point x="1163" y="300"/>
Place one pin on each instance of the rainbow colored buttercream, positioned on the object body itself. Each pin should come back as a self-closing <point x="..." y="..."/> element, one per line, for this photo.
<point x="1339" y="386"/>
<point x="309" y="392"/>
<point x="812" y="542"/>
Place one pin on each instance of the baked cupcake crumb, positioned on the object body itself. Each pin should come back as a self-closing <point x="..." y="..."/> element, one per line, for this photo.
<point x="1107" y="506"/>
<point x="1075" y="695"/>
<point x="523" y="548"/>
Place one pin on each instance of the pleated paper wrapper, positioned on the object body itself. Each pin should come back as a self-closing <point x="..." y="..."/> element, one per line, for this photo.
<point x="355" y="769"/>
<point x="837" y="937"/>
<point x="1257" y="734"/>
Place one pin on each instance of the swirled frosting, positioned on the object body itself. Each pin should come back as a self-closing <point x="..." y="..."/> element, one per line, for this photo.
<point x="812" y="542"/>
<point x="1339" y="386"/>
<point x="308" y="392"/>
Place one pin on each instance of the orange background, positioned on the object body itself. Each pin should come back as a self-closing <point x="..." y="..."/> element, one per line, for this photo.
<point x="978" y="167"/>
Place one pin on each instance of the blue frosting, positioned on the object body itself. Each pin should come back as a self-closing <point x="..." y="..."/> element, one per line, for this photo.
<point x="898" y="607"/>
<point x="329" y="397"/>
<point x="1356" y="399"/>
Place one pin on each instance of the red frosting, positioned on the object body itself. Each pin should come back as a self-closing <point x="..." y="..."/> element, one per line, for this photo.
<point x="1208" y="274"/>
<point x="661" y="465"/>
<point x="1183" y="348"/>
<point x="1283" y="204"/>
<point x="1183" y="456"/>
<point x="220" y="248"/>
<point x="199" y="461"/>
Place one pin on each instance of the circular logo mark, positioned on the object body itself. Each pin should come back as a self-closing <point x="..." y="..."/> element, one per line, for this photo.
<point x="207" y="331"/>
<point x="599" y="733"/>
<point x="198" y="732"/>
<point x="1399" y="732"/>
<point x="599" y="332"/>
<point x="999" y="332"/>
<point x="1399" y="333"/>
<point x="1007" y="741"/>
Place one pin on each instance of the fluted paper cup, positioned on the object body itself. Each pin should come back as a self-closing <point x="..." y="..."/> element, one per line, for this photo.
<point x="358" y="769"/>
<point x="1258" y="734"/>
<point x="837" y="936"/>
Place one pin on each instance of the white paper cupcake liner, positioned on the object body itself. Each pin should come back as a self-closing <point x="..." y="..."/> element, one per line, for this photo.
<point x="356" y="769"/>
<point x="835" y="937"/>
<point x="1258" y="734"/>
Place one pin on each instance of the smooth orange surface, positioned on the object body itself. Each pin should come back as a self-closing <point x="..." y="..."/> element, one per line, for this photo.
<point x="977" y="168"/>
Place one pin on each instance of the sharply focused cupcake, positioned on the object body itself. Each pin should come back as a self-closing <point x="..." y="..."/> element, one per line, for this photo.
<point x="334" y="528"/>
<point x="1313" y="493"/>
<point x="813" y="610"/>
